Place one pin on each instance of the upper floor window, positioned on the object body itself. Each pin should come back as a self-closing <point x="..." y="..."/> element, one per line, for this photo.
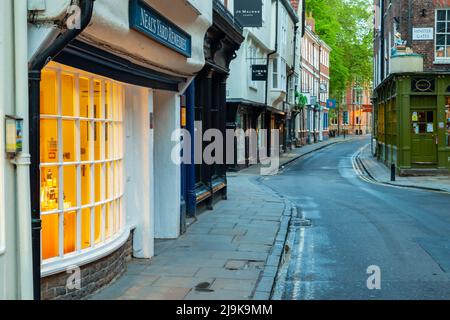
<point x="275" y="73"/>
<point x="253" y="59"/>
<point x="283" y="29"/>
<point x="442" y="34"/>
<point x="279" y="74"/>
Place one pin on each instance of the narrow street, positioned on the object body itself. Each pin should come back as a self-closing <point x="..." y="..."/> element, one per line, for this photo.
<point x="356" y="224"/>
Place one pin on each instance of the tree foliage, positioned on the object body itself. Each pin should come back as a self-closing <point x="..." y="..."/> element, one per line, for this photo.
<point x="347" y="27"/>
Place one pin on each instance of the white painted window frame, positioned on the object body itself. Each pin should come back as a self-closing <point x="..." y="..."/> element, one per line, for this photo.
<point x="438" y="60"/>
<point x="275" y="74"/>
<point x="252" y="59"/>
<point x="119" y="231"/>
<point x="2" y="187"/>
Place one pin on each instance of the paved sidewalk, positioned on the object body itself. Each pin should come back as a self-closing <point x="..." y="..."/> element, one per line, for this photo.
<point x="221" y="257"/>
<point x="381" y="173"/>
<point x="230" y="253"/>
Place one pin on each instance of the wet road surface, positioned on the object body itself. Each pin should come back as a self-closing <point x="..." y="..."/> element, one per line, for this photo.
<point x="356" y="224"/>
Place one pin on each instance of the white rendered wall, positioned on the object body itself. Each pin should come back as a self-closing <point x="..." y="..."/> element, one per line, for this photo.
<point x="238" y="85"/>
<point x="109" y="28"/>
<point x="167" y="174"/>
<point x="9" y="233"/>
<point x="139" y="197"/>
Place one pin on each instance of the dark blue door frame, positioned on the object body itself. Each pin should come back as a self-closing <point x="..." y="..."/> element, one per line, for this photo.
<point x="188" y="195"/>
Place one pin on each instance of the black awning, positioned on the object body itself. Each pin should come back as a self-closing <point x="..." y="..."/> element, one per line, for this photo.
<point x="92" y="59"/>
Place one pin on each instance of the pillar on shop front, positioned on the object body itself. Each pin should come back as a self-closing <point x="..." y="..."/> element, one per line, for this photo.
<point x="208" y="125"/>
<point x="167" y="172"/>
<point x="139" y="168"/>
<point x="190" y="167"/>
<point x="223" y="126"/>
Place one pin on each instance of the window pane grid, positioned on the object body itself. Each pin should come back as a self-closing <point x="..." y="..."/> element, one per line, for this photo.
<point x="81" y="161"/>
<point x="442" y="34"/>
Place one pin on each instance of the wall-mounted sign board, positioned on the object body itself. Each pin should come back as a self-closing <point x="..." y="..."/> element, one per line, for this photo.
<point x="423" y="34"/>
<point x="149" y="22"/>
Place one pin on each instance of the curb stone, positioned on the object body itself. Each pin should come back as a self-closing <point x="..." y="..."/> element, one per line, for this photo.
<point x="366" y="170"/>
<point x="266" y="281"/>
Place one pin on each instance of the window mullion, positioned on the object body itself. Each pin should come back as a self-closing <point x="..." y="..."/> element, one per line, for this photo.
<point x="78" y="159"/>
<point x="60" y="167"/>
<point x="102" y="156"/>
<point x="91" y="159"/>
<point x="121" y="137"/>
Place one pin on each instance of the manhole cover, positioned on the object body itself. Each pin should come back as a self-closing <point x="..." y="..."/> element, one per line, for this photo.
<point x="204" y="287"/>
<point x="302" y="223"/>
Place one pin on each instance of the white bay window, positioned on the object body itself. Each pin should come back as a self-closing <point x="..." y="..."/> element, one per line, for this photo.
<point x="81" y="161"/>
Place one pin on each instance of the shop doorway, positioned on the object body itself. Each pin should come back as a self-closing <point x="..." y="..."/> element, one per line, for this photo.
<point x="423" y="137"/>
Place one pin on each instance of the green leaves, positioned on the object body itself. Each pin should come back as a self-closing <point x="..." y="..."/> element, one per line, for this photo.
<point x="347" y="27"/>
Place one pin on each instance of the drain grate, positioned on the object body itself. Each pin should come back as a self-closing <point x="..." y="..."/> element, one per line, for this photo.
<point x="297" y="222"/>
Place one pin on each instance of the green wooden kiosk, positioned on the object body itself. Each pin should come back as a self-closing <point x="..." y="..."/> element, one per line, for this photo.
<point x="412" y="122"/>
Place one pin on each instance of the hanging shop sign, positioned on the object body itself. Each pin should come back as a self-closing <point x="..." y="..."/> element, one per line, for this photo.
<point x="307" y="96"/>
<point x="248" y="13"/>
<point x="149" y="22"/>
<point x="423" y="33"/>
<point x="323" y="87"/>
<point x="331" y="104"/>
<point x="259" y="72"/>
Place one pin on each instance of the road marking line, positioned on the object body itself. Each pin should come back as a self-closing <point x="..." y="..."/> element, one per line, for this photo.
<point x="360" y="174"/>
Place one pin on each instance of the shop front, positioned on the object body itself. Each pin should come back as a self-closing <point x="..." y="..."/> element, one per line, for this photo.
<point x="82" y="161"/>
<point x="107" y="110"/>
<point x="249" y="117"/>
<point x="222" y="41"/>
<point x="412" y="123"/>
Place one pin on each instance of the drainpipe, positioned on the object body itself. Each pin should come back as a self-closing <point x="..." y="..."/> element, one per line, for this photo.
<point x="410" y="23"/>
<point x="22" y="160"/>
<point x="268" y="121"/>
<point x="274" y="51"/>
<point x="34" y="79"/>
<point x="382" y="47"/>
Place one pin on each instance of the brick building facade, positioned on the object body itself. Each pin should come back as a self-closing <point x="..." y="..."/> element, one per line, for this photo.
<point x="405" y="16"/>
<point x="315" y="81"/>
<point x="412" y="85"/>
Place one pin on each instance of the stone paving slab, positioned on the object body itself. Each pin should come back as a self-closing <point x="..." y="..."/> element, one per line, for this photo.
<point x="229" y="253"/>
<point x="225" y="248"/>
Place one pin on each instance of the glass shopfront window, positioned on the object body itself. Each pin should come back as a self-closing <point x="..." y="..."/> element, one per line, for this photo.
<point x="81" y="161"/>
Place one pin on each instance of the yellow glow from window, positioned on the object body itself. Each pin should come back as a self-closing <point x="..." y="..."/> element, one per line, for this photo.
<point x="81" y="160"/>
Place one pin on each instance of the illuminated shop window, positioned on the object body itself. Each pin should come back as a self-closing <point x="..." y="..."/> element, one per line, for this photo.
<point x="81" y="161"/>
<point x="447" y="121"/>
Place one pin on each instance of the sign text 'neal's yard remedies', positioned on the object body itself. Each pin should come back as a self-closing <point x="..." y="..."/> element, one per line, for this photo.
<point x="152" y="24"/>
